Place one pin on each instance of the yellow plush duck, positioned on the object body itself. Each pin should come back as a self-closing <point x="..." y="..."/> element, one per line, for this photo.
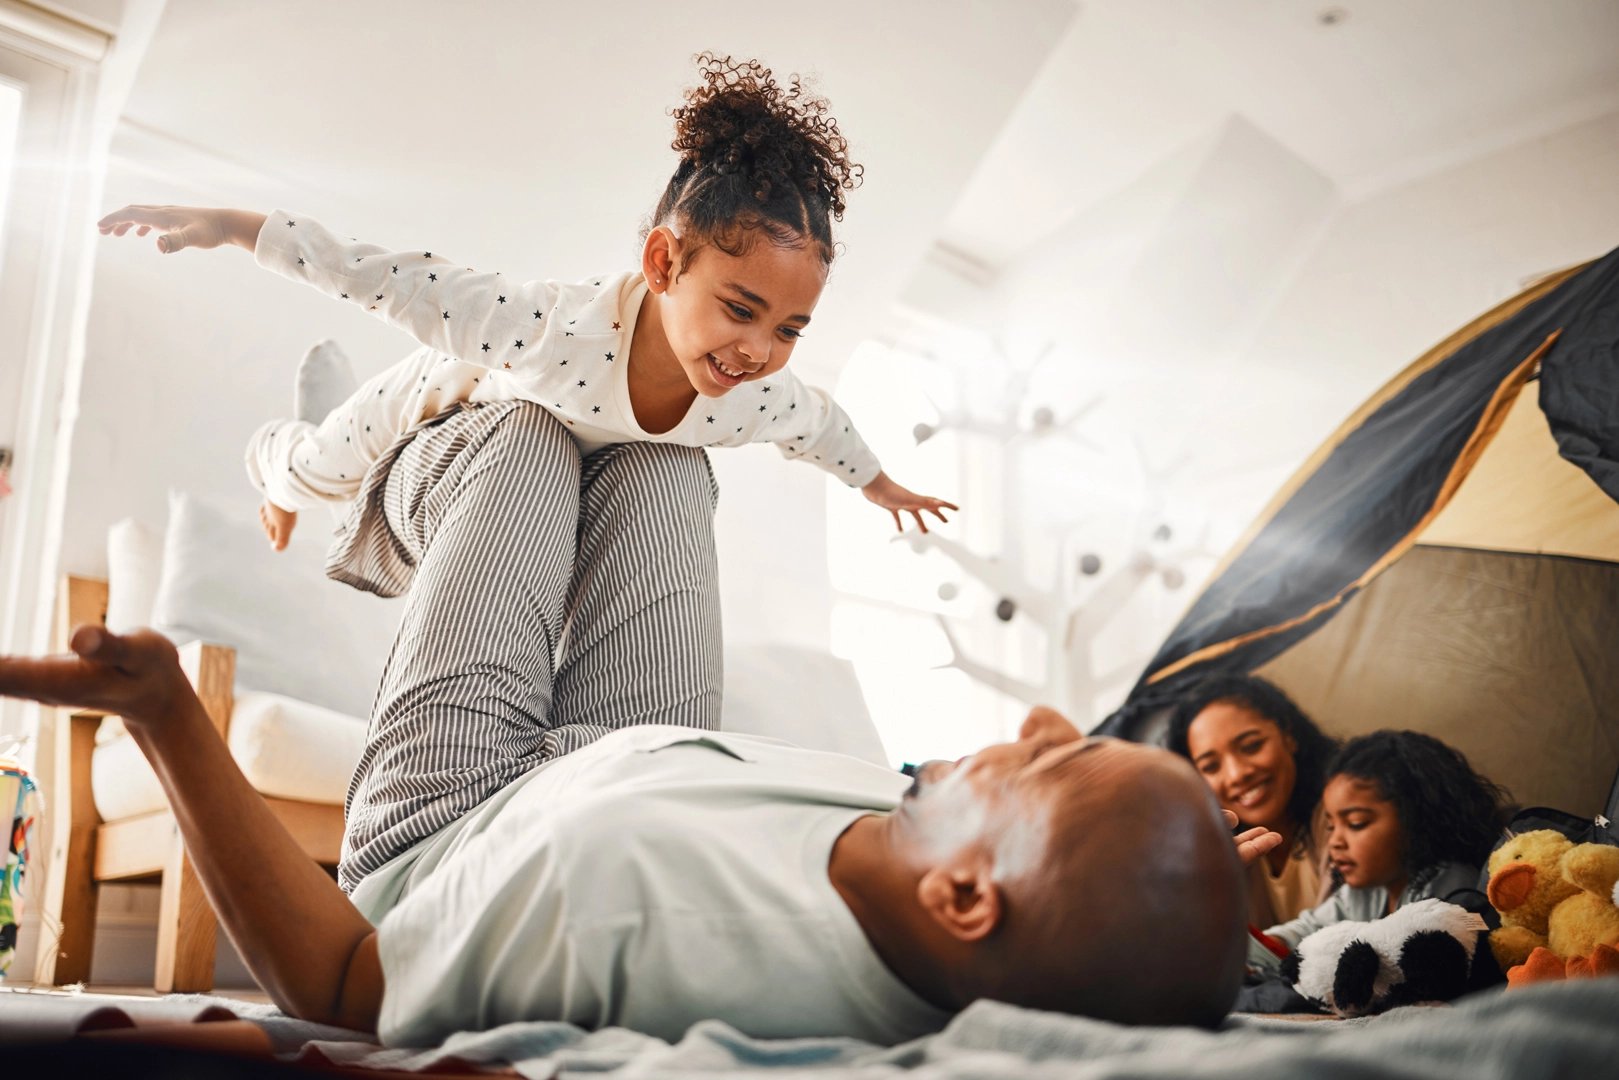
<point x="1526" y="883"/>
<point x="1589" y="918"/>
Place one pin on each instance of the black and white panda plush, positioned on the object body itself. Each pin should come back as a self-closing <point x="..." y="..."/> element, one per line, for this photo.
<point x="1420" y="952"/>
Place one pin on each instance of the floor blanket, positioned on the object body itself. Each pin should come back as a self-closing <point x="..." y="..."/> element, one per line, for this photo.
<point x="1547" y="1031"/>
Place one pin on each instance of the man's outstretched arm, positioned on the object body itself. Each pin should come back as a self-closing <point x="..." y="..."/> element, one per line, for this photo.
<point x="313" y="953"/>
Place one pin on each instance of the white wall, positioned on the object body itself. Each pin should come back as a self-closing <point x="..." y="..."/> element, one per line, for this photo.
<point x="104" y="14"/>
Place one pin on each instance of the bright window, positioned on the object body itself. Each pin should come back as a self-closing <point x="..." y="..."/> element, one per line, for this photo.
<point x="889" y="597"/>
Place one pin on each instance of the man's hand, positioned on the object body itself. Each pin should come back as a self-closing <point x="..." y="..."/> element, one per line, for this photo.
<point x="181" y="227"/>
<point x="305" y="943"/>
<point x="895" y="499"/>
<point x="137" y="675"/>
<point x="1252" y="844"/>
<point x="278" y="523"/>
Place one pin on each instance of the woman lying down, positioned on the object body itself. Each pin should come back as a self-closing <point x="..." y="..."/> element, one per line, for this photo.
<point x="544" y="826"/>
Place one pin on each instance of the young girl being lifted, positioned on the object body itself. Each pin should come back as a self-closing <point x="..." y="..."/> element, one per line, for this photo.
<point x="689" y="348"/>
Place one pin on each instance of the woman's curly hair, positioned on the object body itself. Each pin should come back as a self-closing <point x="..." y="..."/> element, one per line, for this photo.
<point x="1447" y="811"/>
<point x="1313" y="748"/>
<point x="756" y="158"/>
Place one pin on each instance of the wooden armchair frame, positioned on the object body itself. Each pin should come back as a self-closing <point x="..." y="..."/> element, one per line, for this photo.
<point x="85" y="851"/>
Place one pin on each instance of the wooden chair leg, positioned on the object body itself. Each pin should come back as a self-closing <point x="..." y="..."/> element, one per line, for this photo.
<point x="68" y="900"/>
<point x="187" y="930"/>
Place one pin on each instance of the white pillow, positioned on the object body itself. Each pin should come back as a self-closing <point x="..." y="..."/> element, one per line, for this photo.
<point x="134" y="563"/>
<point x="288" y="749"/>
<point x="799" y="695"/>
<point x="295" y="631"/>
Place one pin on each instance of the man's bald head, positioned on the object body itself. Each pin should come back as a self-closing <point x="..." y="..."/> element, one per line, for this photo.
<point x="1089" y="876"/>
<point x="1136" y="911"/>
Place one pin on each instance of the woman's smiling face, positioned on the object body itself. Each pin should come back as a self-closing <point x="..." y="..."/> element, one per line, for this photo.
<point x="1247" y="760"/>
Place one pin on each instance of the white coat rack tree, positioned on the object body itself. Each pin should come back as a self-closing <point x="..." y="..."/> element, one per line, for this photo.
<point x="1071" y="615"/>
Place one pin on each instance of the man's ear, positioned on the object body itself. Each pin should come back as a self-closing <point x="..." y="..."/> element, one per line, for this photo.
<point x="660" y="258"/>
<point x="962" y="898"/>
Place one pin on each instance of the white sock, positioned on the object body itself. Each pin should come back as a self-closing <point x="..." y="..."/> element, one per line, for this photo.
<point x="325" y="380"/>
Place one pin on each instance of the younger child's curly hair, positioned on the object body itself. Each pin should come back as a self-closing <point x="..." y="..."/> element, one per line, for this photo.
<point x="756" y="159"/>
<point x="1448" y="812"/>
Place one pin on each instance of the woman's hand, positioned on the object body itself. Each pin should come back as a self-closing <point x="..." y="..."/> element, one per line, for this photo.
<point x="181" y="227"/>
<point x="1252" y="844"/>
<point x="136" y="676"/>
<point x="278" y="523"/>
<point x="895" y="499"/>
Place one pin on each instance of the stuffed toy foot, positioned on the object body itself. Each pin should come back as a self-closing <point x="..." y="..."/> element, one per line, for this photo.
<point x="1543" y="965"/>
<point x="1604" y="961"/>
<point x="1436" y="967"/>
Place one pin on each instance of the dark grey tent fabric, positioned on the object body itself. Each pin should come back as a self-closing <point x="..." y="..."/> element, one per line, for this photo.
<point x="1579" y="389"/>
<point x="1377" y="485"/>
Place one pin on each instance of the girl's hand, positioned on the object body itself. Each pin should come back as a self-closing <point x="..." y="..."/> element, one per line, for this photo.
<point x="136" y="675"/>
<point x="182" y="227"/>
<point x="278" y="523"/>
<point x="895" y="499"/>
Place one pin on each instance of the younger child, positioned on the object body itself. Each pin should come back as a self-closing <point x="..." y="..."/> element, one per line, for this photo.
<point x="689" y="348"/>
<point x="1407" y="819"/>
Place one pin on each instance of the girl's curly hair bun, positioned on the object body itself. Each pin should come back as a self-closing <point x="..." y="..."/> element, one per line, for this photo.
<point x="741" y="120"/>
<point x="757" y="156"/>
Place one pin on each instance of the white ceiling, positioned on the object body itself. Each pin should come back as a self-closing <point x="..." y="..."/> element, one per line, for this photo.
<point x="1395" y="90"/>
<point x="534" y="136"/>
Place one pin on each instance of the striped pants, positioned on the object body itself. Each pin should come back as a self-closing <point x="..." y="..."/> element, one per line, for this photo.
<point x="550" y="602"/>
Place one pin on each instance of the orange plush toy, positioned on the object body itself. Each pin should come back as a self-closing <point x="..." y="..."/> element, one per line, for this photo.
<point x="1582" y="920"/>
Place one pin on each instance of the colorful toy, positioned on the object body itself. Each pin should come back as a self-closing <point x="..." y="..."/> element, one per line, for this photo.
<point x="19" y="815"/>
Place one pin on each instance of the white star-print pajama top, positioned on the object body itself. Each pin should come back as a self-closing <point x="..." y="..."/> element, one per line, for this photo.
<point x="485" y="338"/>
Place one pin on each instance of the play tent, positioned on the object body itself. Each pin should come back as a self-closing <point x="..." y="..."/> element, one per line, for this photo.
<point x="1449" y="560"/>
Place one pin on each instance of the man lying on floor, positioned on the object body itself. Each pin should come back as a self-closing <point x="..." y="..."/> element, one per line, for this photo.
<point x="544" y="823"/>
<point x="664" y="875"/>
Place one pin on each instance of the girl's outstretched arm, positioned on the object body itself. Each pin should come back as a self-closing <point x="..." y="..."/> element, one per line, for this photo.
<point x="180" y="227"/>
<point x="305" y="943"/>
<point x="484" y="319"/>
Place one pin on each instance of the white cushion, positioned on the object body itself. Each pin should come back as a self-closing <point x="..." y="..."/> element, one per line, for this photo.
<point x="801" y="696"/>
<point x="295" y="631"/>
<point x="286" y="748"/>
<point x="134" y="564"/>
